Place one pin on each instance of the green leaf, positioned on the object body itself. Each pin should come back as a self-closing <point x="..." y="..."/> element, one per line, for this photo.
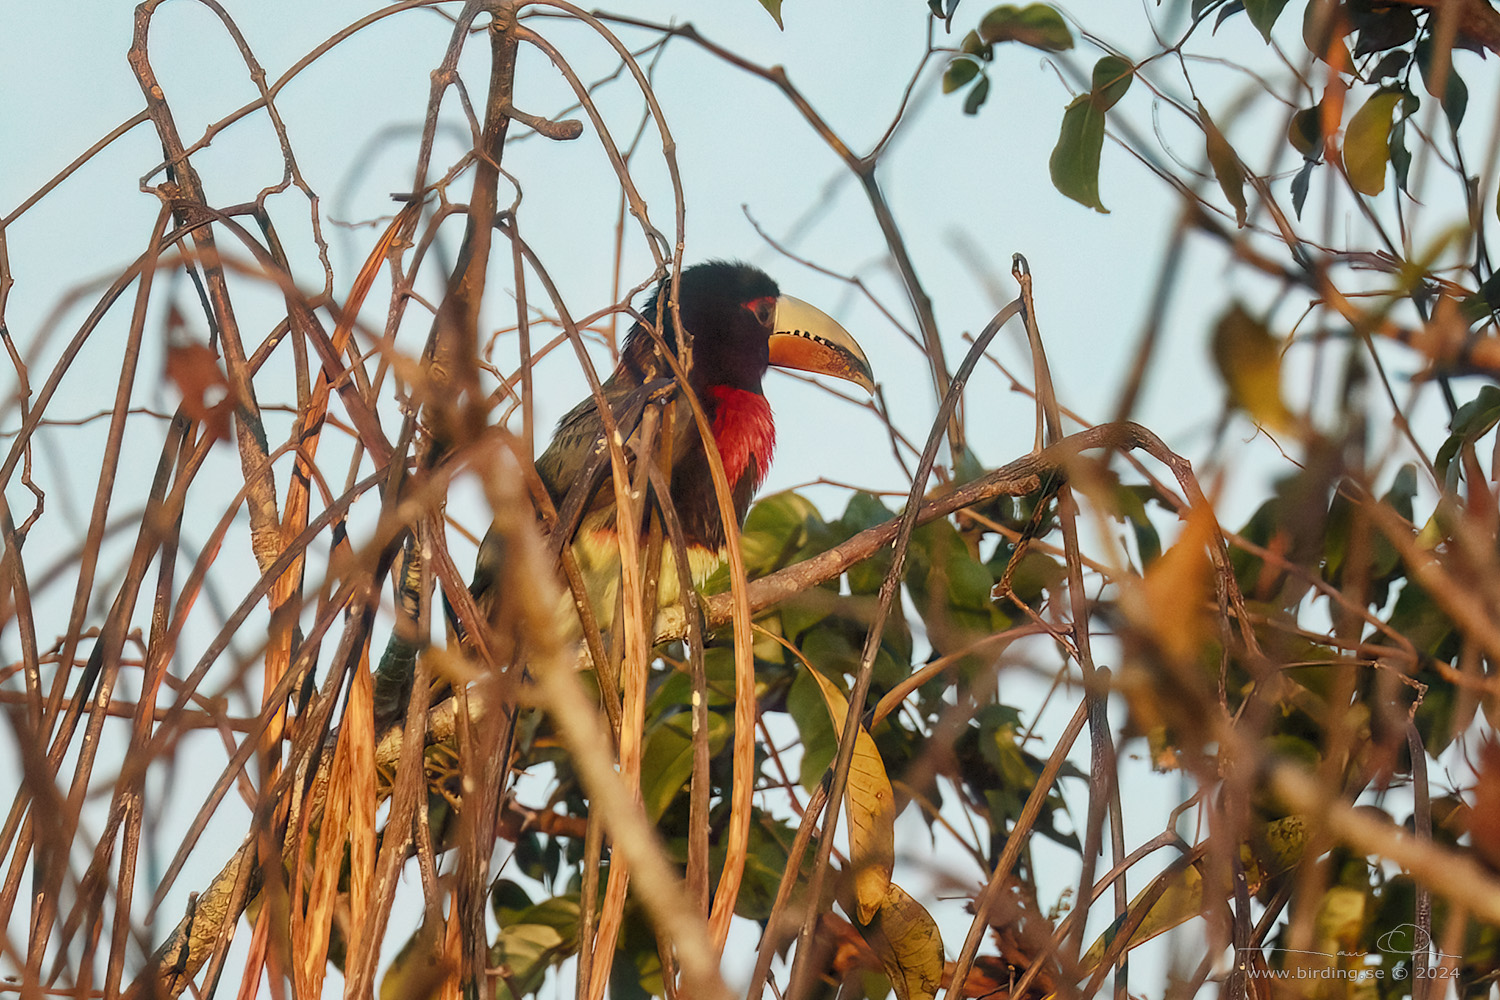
<point x="1036" y="25"/>
<point x="1472" y="421"/>
<point x="1075" y="160"/>
<point x="1419" y="618"/>
<point x="1111" y="79"/>
<point x="1483" y="302"/>
<point x="773" y="7"/>
<point x="975" y="46"/>
<point x="1386" y="561"/>
<point x="776" y="527"/>
<point x="1400" y="155"/>
<point x="1305" y="132"/>
<point x="866" y="511"/>
<point x="1300" y="185"/>
<point x="667" y="759"/>
<point x="1455" y="96"/>
<point x="531" y="942"/>
<point x="977" y="95"/>
<point x="960" y="71"/>
<point x="1456" y="100"/>
<point x="1074" y="164"/>
<point x="1367" y="142"/>
<point x="1226" y="163"/>
<point x="804" y="702"/>
<point x="1263" y="14"/>
<point x="1130" y="507"/>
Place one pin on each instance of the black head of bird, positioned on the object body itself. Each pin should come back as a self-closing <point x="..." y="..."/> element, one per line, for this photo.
<point x="741" y="325"/>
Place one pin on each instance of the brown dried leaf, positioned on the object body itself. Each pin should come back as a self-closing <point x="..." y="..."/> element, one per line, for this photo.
<point x="206" y="396"/>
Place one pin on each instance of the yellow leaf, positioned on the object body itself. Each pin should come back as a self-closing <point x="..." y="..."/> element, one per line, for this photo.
<point x="1180" y="901"/>
<point x="1278" y="847"/>
<point x="1341" y="919"/>
<point x="1249" y="361"/>
<point x="871" y="807"/>
<point x="906" y="938"/>
<point x="1367" y="142"/>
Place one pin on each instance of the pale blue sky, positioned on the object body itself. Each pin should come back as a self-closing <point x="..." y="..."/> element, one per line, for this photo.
<point x="954" y="183"/>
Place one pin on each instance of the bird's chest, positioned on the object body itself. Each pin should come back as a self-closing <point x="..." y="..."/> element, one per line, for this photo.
<point x="744" y="431"/>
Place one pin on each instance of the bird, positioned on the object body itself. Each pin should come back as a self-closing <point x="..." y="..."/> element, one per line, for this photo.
<point x="741" y="325"/>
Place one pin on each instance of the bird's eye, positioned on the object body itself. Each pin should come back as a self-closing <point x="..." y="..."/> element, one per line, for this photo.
<point x="764" y="309"/>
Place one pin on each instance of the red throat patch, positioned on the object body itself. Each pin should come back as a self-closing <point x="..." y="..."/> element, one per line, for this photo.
<point x="743" y="429"/>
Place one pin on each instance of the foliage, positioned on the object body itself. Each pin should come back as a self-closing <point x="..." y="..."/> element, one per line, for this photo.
<point x="834" y="760"/>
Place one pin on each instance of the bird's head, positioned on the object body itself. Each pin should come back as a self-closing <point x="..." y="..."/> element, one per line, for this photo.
<point x="741" y="324"/>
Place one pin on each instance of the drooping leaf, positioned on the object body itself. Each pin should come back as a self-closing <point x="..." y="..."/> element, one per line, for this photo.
<point x="206" y="393"/>
<point x="1074" y="164"/>
<point x="773" y="7"/>
<point x="1201" y="7"/>
<point x="1226" y="12"/>
<point x="1037" y="25"/>
<point x="1075" y="159"/>
<point x="1484" y="301"/>
<point x="1367" y="142"/>
<point x="909" y="944"/>
<point x="1226" y="165"/>
<point x="1455" y="95"/>
<point x="1400" y="155"/>
<point x="1263" y="14"/>
<point x="869" y="804"/>
<point x="977" y="95"/>
<point x="1249" y="361"/>
<point x="1455" y="99"/>
<point x="1340" y="920"/>
<point x="1300" y="184"/>
<point x="1275" y="846"/>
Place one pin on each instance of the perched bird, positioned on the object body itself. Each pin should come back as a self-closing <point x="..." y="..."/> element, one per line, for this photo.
<point x="740" y="324"/>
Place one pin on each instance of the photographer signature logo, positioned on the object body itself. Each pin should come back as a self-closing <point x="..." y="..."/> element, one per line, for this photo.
<point x="1408" y="939"/>
<point x="1426" y="961"/>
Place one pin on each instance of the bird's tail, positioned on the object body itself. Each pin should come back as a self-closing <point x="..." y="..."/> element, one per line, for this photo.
<point x="398" y="665"/>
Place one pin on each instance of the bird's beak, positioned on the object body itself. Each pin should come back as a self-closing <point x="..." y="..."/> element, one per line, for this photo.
<point x="806" y="338"/>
